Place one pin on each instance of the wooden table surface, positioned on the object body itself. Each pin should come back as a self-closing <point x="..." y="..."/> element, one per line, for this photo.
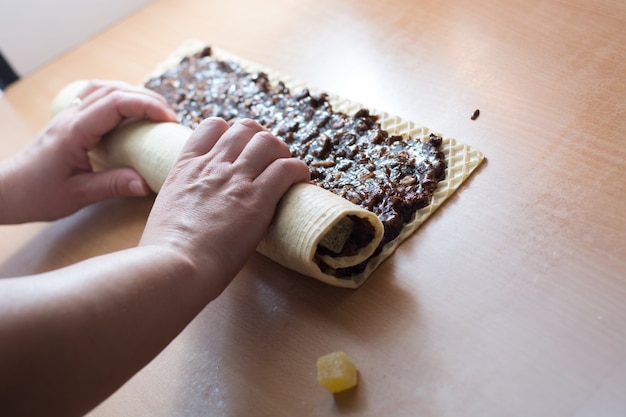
<point x="509" y="301"/>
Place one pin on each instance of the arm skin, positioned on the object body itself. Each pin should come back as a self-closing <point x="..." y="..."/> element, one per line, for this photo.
<point x="72" y="336"/>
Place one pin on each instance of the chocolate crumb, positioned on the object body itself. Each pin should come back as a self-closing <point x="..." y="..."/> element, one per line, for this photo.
<point x="475" y="114"/>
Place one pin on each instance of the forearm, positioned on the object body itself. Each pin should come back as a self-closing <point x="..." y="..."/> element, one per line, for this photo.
<point x="71" y="337"/>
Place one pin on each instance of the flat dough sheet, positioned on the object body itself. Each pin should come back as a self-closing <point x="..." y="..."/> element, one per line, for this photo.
<point x="461" y="159"/>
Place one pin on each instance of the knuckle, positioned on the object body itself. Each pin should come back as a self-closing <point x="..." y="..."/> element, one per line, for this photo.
<point x="115" y="95"/>
<point x="213" y="121"/>
<point x="93" y="84"/>
<point x="249" y="123"/>
<point x="116" y="186"/>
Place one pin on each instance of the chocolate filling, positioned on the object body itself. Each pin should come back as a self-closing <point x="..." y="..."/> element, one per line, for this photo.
<point x="352" y="156"/>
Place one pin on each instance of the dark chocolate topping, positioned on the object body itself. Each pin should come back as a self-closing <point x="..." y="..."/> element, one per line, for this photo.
<point x="352" y="156"/>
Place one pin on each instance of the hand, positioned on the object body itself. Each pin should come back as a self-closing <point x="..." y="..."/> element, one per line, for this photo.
<point x="208" y="218"/>
<point x="220" y="197"/>
<point x="53" y="177"/>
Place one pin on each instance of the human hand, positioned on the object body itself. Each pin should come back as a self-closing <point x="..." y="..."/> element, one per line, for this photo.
<point x="53" y="177"/>
<point x="220" y="196"/>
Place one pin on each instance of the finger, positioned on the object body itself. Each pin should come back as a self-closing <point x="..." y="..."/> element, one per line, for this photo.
<point x="97" y="89"/>
<point x="204" y="137"/>
<point x="117" y="91"/>
<point x="103" y="115"/>
<point x="280" y="175"/>
<point x="121" y="182"/>
<point x="232" y="143"/>
<point x="263" y="149"/>
<point x="99" y="85"/>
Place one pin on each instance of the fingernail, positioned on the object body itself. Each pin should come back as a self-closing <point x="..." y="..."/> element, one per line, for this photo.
<point x="137" y="188"/>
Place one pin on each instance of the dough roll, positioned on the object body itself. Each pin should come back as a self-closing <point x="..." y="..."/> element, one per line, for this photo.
<point x="312" y="228"/>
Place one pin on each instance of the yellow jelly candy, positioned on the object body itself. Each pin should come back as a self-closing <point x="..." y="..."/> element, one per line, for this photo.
<point x="336" y="372"/>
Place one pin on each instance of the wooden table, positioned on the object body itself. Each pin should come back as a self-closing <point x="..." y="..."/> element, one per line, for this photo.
<point x="510" y="301"/>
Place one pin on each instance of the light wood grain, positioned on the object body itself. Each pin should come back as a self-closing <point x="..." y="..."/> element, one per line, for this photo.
<point x="509" y="301"/>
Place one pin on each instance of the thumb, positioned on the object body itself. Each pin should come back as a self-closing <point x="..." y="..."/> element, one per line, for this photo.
<point x="112" y="183"/>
